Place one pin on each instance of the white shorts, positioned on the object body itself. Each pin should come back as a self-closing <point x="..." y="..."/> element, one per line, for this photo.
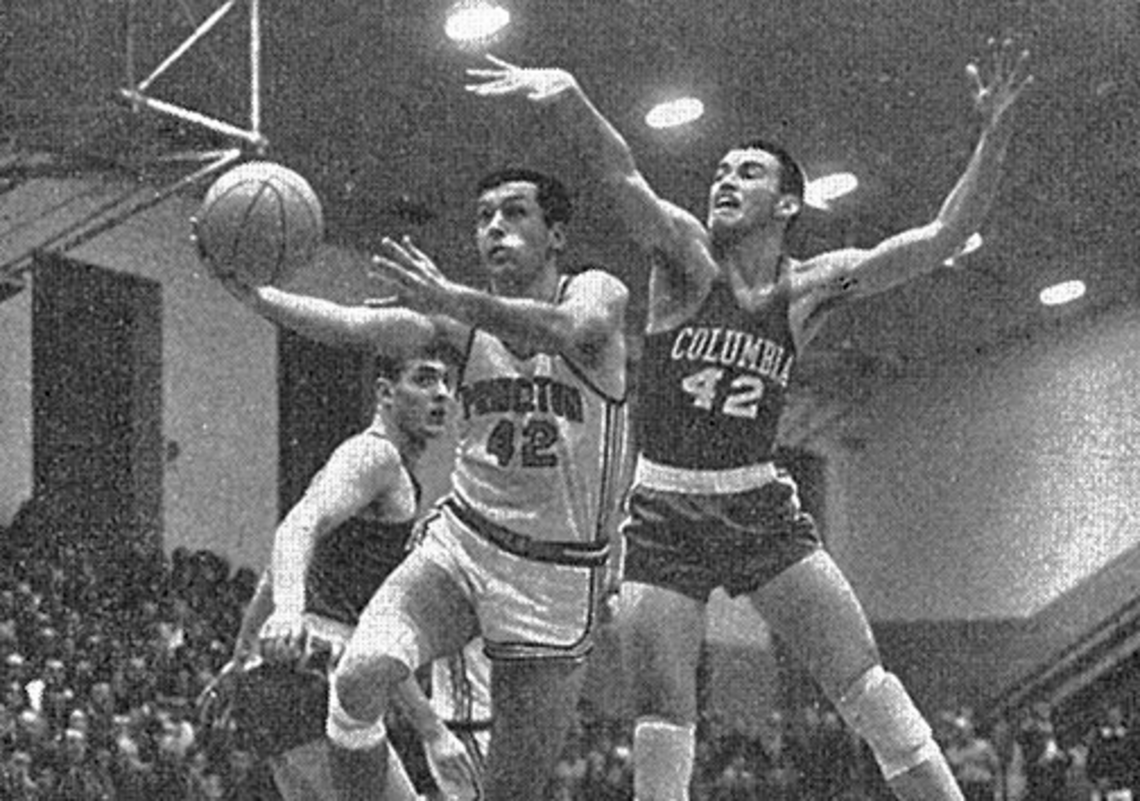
<point x="526" y="608"/>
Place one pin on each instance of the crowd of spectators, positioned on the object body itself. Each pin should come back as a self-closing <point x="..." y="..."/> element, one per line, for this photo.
<point x="813" y="756"/>
<point x="106" y="643"/>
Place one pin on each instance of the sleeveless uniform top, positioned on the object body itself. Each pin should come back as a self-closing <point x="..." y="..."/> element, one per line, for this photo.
<point x="539" y="443"/>
<point x="349" y="563"/>
<point x="712" y="389"/>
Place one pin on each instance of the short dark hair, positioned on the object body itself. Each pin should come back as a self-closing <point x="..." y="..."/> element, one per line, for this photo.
<point x="792" y="180"/>
<point x="391" y="367"/>
<point x="552" y="196"/>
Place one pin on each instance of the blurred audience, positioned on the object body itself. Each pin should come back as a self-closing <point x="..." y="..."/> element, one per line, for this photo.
<point x="104" y="650"/>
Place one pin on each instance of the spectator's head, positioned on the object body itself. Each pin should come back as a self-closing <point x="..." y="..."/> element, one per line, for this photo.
<point x="8" y="633"/>
<point x="33" y="727"/>
<point x="79" y="721"/>
<point x="102" y="696"/>
<point x="16" y="667"/>
<point x="74" y="746"/>
<point x="14" y="696"/>
<point x="54" y="674"/>
<point x="104" y="758"/>
<point x="20" y="763"/>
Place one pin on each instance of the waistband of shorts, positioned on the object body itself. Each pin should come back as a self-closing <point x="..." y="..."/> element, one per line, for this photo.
<point x="471" y="726"/>
<point x="574" y="554"/>
<point x="667" y="478"/>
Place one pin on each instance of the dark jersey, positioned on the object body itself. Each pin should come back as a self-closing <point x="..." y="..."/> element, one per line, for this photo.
<point x="350" y="563"/>
<point x="712" y="389"/>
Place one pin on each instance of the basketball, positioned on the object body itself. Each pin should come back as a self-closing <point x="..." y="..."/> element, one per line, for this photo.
<point x="259" y="221"/>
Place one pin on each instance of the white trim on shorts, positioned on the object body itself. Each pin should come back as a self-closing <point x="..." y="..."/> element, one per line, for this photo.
<point x="667" y="478"/>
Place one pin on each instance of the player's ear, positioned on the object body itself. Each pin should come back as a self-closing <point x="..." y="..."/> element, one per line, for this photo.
<point x="385" y="389"/>
<point x="557" y="237"/>
<point x="788" y="206"/>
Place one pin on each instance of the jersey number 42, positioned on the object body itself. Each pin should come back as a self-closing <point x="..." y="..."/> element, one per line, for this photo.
<point x="744" y="395"/>
<point x="533" y="442"/>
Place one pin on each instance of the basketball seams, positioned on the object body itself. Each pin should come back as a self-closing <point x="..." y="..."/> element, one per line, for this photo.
<point x="284" y="246"/>
<point x="308" y="201"/>
<point x="251" y="223"/>
<point x="209" y="229"/>
<point x="243" y="230"/>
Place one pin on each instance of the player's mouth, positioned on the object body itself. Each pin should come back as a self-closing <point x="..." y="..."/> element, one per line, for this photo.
<point x="437" y="417"/>
<point x="726" y="201"/>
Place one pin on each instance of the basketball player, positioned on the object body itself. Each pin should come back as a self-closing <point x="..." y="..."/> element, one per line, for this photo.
<point x="514" y="552"/>
<point x="331" y="552"/>
<point x="729" y="311"/>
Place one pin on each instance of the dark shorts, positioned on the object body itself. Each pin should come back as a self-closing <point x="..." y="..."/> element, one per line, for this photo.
<point x="694" y="543"/>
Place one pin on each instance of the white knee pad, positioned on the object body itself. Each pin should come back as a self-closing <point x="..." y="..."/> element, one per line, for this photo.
<point x="878" y="708"/>
<point x="349" y="733"/>
<point x="662" y="760"/>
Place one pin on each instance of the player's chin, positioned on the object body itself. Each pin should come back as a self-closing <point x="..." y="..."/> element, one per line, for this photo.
<point x="432" y="429"/>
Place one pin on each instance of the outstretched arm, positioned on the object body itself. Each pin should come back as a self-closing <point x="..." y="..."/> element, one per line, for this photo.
<point x="858" y="273"/>
<point x="582" y="325"/>
<point x="392" y="330"/>
<point x="358" y="471"/>
<point x="655" y="223"/>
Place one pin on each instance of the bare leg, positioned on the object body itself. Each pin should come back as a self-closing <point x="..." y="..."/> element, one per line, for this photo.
<point x="534" y="704"/>
<point x="418" y="614"/>
<point x="305" y="774"/>
<point x="373" y="775"/>
<point x="813" y="609"/>
<point x="661" y="635"/>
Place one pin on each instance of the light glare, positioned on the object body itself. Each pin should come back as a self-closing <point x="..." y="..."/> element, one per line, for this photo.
<point x="1064" y="292"/>
<point x="972" y="243"/>
<point x="471" y="22"/>
<point x="675" y="112"/>
<point x="820" y="192"/>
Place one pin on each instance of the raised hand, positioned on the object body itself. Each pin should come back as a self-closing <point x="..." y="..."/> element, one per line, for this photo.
<point x="539" y="85"/>
<point x="420" y="283"/>
<point x="1010" y="77"/>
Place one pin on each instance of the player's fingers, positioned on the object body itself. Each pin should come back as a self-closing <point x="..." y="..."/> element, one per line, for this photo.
<point x="395" y="250"/>
<point x="502" y="63"/>
<point x="411" y="248"/>
<point x="382" y="303"/>
<point x="385" y="268"/>
<point x="269" y="649"/>
<point x="299" y="646"/>
<point x="975" y="77"/>
<point x="492" y="89"/>
<point x="336" y="650"/>
<point x="1020" y="76"/>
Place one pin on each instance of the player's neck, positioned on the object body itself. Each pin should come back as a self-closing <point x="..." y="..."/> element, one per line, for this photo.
<point x="753" y="260"/>
<point x="410" y="446"/>
<point x="542" y="286"/>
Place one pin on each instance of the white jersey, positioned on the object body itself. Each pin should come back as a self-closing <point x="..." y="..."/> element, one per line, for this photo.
<point x="540" y="445"/>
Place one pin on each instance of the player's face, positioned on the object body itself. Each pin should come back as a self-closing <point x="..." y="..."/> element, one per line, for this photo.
<point x="745" y="190"/>
<point x="515" y="242"/>
<point x="421" y="398"/>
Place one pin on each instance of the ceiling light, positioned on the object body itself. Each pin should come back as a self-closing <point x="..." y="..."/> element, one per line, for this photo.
<point x="675" y="112"/>
<point x="475" y="20"/>
<point x="973" y="243"/>
<point x="1064" y="292"/>
<point x="820" y="192"/>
